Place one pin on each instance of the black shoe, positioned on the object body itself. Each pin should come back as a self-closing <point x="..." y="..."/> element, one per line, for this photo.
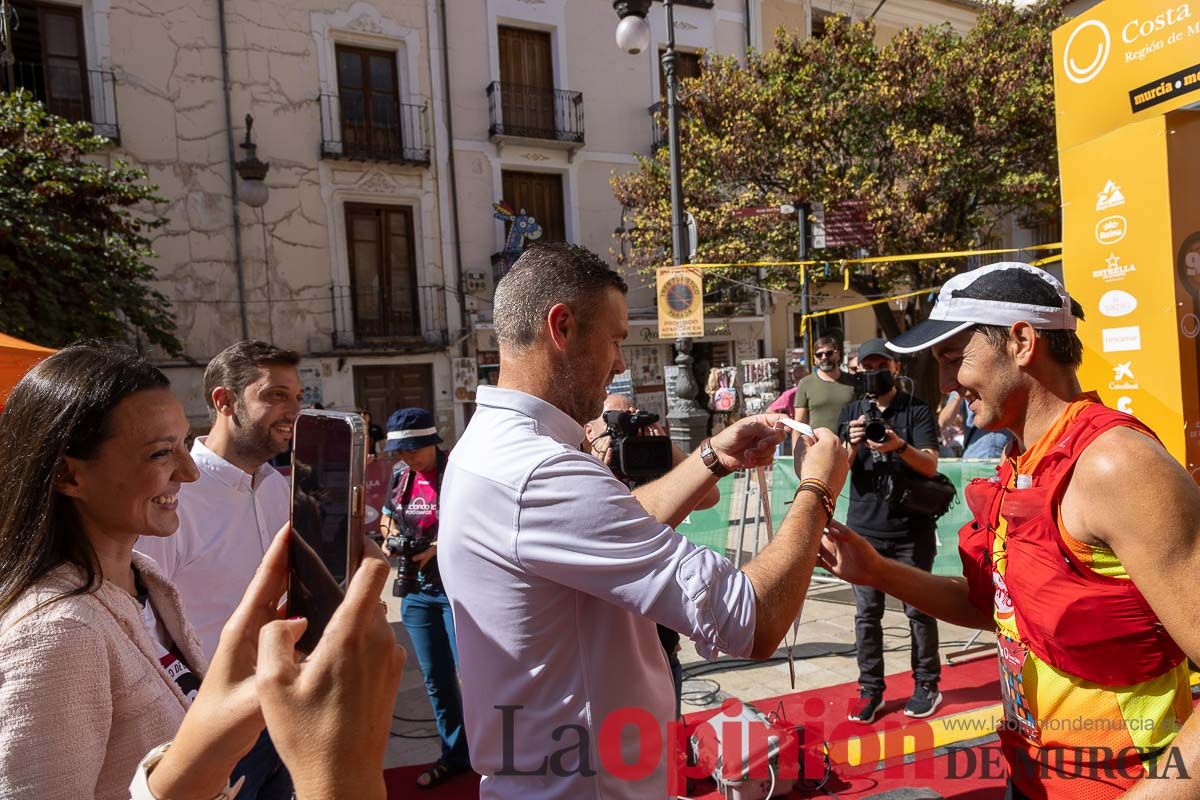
<point x="866" y="708"/>
<point x="924" y="701"/>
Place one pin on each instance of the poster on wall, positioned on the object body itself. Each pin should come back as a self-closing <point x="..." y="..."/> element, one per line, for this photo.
<point x="746" y="350"/>
<point x="466" y="379"/>
<point x="312" y="387"/>
<point x="670" y="375"/>
<point x="622" y="384"/>
<point x="655" y="403"/>
<point x="644" y="363"/>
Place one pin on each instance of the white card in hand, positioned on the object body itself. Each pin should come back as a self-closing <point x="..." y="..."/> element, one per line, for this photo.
<point x="799" y="427"/>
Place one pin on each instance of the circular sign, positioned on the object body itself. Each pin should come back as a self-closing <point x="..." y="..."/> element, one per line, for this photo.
<point x="1189" y="326"/>
<point x="679" y="296"/>
<point x="1103" y="43"/>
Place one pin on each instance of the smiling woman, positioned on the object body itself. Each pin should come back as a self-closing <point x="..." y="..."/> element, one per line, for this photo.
<point x="98" y="663"/>
<point x="91" y="455"/>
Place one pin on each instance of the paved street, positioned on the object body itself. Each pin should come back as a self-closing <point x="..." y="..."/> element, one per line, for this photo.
<point x="825" y="657"/>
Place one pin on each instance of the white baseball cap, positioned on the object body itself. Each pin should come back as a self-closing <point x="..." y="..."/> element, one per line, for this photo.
<point x="997" y="294"/>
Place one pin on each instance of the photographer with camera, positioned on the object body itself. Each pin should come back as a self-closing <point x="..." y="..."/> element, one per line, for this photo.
<point x="410" y="527"/>
<point x="628" y="440"/>
<point x="891" y="437"/>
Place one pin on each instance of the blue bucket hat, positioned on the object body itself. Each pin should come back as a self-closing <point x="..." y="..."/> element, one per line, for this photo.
<point x="410" y="429"/>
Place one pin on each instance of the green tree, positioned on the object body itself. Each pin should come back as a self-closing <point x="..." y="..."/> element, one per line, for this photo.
<point x="73" y="247"/>
<point x="939" y="134"/>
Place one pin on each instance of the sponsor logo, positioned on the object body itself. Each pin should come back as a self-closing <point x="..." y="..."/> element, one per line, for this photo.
<point x="1125" y="405"/>
<point x="1114" y="270"/>
<point x="1189" y="326"/>
<point x="1111" y="230"/>
<point x="1120" y="340"/>
<point x="1123" y="380"/>
<point x="1141" y="28"/>
<point x="1109" y="197"/>
<point x="1117" y="303"/>
<point x="1087" y="51"/>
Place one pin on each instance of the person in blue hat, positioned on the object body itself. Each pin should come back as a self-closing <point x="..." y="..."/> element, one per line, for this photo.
<point x="410" y="526"/>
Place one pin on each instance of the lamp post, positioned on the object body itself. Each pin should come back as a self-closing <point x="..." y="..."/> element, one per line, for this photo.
<point x="254" y="192"/>
<point x="688" y="422"/>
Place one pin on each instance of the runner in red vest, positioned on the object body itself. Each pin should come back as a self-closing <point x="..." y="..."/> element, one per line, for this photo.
<point x="1082" y="555"/>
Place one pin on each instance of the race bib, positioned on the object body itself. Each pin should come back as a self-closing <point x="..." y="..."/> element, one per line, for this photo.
<point x="1018" y="715"/>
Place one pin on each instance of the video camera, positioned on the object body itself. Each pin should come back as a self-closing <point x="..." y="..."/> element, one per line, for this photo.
<point x="636" y="456"/>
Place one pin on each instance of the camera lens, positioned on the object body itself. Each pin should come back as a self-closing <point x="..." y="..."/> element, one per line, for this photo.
<point x="876" y="431"/>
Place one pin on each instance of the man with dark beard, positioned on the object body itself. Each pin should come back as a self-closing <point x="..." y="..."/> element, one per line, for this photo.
<point x="229" y="516"/>
<point x="557" y="574"/>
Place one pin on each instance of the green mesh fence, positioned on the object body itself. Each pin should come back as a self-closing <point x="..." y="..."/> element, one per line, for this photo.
<point x="717" y="528"/>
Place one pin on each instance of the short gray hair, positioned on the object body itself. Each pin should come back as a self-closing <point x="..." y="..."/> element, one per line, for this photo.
<point x="545" y="275"/>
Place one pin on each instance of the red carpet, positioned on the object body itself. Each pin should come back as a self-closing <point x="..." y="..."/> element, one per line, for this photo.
<point x="823" y="712"/>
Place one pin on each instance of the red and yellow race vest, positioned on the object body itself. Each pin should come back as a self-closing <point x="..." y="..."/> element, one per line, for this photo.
<point x="1094" y="687"/>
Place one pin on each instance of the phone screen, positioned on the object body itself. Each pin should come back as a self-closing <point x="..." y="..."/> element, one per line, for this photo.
<point x="323" y="496"/>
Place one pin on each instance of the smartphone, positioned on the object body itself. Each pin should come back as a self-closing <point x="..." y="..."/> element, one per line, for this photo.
<point x="329" y="458"/>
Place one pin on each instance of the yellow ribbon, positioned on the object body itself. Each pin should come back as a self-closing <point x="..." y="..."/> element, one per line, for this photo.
<point x="878" y="259"/>
<point x="865" y="304"/>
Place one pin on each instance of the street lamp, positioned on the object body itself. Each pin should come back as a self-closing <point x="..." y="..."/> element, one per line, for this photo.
<point x="688" y="422"/>
<point x="252" y="171"/>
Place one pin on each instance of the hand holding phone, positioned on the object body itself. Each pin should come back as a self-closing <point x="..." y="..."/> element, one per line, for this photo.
<point x="330" y="715"/>
<point x="328" y="526"/>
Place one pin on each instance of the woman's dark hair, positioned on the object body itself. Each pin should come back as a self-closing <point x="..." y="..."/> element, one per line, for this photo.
<point x="62" y="407"/>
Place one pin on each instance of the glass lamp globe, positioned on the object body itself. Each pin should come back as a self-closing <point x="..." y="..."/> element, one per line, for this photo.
<point x="633" y="34"/>
<point x="254" y="193"/>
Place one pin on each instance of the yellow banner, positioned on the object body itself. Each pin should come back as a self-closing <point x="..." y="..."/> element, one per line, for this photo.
<point x="1124" y="222"/>
<point x="1122" y="61"/>
<point x="680" y="303"/>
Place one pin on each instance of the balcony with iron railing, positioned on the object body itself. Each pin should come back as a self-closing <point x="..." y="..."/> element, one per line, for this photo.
<point x="362" y="321"/>
<point x="69" y="92"/>
<point x="552" y="117"/>
<point x="397" y="133"/>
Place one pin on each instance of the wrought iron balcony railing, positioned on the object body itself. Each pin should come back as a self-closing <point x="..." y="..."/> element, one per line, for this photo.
<point x="530" y="112"/>
<point x="362" y="319"/>
<point x="393" y="132"/>
<point x="69" y="92"/>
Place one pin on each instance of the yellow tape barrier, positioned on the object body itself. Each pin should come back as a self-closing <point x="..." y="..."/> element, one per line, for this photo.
<point x="905" y="296"/>
<point x="865" y="304"/>
<point x="874" y="259"/>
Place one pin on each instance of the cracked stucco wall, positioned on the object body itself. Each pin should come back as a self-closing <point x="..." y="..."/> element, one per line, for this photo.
<point x="165" y="57"/>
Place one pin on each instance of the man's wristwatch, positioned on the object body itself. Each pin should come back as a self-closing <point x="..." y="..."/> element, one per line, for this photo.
<point x="903" y="446"/>
<point x="709" y="457"/>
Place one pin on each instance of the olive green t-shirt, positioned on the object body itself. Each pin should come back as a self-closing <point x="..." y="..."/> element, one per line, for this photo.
<point x="824" y="399"/>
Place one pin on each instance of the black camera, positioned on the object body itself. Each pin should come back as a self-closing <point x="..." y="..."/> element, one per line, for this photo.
<point x="634" y="455"/>
<point x="869" y="385"/>
<point x="405" y="547"/>
<point x="877" y="429"/>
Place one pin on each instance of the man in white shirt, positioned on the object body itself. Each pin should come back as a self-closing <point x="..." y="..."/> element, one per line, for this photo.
<point x="229" y="516"/>
<point x="557" y="574"/>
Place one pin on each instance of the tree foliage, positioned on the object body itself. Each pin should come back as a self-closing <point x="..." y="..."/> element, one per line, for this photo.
<point x="73" y="247"/>
<point x="940" y="134"/>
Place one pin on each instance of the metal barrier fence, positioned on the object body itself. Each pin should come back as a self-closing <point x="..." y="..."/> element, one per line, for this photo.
<point x="721" y="527"/>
